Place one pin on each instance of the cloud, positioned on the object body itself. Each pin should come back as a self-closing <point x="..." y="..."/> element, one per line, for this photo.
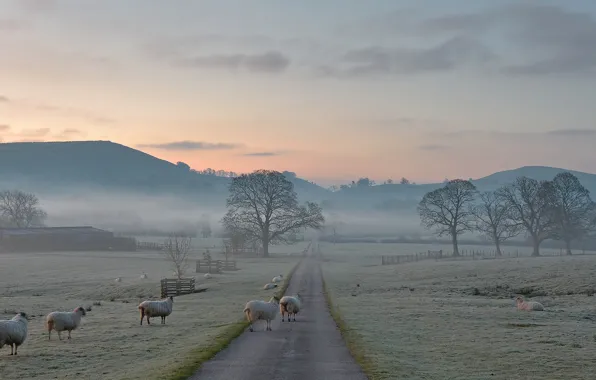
<point x="70" y="112"/>
<point x="268" y="62"/>
<point x="69" y="133"/>
<point x="4" y="127"/>
<point x="432" y="147"/>
<point x="191" y="145"/>
<point x="375" y="60"/>
<point x="4" y="99"/>
<point x="572" y="132"/>
<point x="11" y="25"/>
<point x="38" y="5"/>
<point x="38" y="132"/>
<point x="263" y="154"/>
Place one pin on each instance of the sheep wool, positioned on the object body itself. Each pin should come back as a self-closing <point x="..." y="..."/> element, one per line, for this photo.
<point x="528" y="305"/>
<point x="260" y="310"/>
<point x="161" y="309"/>
<point x="207" y="275"/>
<point x="277" y="279"/>
<point x="290" y="305"/>
<point x="64" y="321"/>
<point x="13" y="332"/>
<point x="269" y="286"/>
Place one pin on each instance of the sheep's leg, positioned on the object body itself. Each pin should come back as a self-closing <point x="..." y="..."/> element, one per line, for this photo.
<point x="50" y="335"/>
<point x="142" y="316"/>
<point x="15" y="349"/>
<point x="11" y="349"/>
<point x="251" y="329"/>
<point x="59" y="335"/>
<point x="294" y="317"/>
<point x="282" y="316"/>
<point x="148" y="320"/>
<point x="68" y="334"/>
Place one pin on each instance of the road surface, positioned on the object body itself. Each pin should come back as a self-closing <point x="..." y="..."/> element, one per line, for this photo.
<point x="309" y="349"/>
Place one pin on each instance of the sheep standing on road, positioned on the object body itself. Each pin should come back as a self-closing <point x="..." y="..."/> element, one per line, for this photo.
<point x="277" y="279"/>
<point x="290" y="305"/>
<point x="528" y="305"/>
<point x="64" y="321"/>
<point x="260" y="310"/>
<point x="14" y="331"/>
<point x="269" y="286"/>
<point x="161" y="309"/>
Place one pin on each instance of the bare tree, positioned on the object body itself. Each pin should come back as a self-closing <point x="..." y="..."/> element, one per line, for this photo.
<point x="529" y="205"/>
<point x="573" y="210"/>
<point x="493" y="219"/>
<point x="404" y="181"/>
<point x="21" y="209"/>
<point x="176" y="248"/>
<point x="449" y="210"/>
<point x="264" y="207"/>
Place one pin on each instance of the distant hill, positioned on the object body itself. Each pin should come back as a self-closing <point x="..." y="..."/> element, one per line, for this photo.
<point x="49" y="167"/>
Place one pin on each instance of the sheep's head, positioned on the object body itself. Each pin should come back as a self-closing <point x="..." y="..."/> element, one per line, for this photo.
<point x="274" y="299"/>
<point x="81" y="310"/>
<point x="519" y="299"/>
<point x="22" y="315"/>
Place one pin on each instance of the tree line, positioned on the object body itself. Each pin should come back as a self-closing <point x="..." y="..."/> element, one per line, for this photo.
<point x="560" y="209"/>
<point x="20" y="209"/>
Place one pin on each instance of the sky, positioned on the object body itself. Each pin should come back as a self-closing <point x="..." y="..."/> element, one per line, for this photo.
<point x="332" y="90"/>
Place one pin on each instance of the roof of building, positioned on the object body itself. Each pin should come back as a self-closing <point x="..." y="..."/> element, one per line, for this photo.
<point x="51" y="230"/>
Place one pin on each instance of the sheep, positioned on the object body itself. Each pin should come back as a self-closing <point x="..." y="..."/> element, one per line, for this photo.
<point x="256" y="310"/>
<point x="14" y="331"/>
<point x="528" y="305"/>
<point x="64" y="321"/>
<point x="277" y="278"/>
<point x="290" y="305"/>
<point x="269" y="286"/>
<point x="143" y="276"/>
<point x="119" y="279"/>
<point x="161" y="309"/>
<point x="207" y="275"/>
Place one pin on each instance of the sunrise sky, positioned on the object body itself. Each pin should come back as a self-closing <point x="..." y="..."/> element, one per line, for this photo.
<point x="333" y="90"/>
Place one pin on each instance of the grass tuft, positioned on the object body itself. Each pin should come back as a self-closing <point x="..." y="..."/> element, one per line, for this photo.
<point x="351" y="338"/>
<point x="200" y="355"/>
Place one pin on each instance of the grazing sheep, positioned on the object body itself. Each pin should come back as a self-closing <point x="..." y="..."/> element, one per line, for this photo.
<point x="161" y="309"/>
<point x="269" y="286"/>
<point x="119" y="279"/>
<point x="528" y="305"/>
<point x="207" y="275"/>
<point x="143" y="276"/>
<point x="290" y="305"/>
<point x="14" y="331"/>
<point x="277" y="278"/>
<point x="64" y="321"/>
<point x="260" y="310"/>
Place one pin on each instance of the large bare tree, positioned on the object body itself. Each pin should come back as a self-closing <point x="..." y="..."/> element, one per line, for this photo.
<point x="493" y="219"/>
<point x="21" y="209"/>
<point x="448" y="210"/>
<point x="529" y="205"/>
<point x="573" y="211"/>
<point x="176" y="249"/>
<point x="264" y="207"/>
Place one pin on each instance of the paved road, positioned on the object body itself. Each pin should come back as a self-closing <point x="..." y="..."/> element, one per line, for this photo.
<point x="309" y="349"/>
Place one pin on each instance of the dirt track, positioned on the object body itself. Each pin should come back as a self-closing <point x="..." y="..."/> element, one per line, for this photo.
<point x="310" y="348"/>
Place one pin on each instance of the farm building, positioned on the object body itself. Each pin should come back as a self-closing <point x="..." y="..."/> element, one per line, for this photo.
<point x="43" y="239"/>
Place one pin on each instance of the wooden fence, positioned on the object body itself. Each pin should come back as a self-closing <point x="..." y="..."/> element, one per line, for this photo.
<point x="400" y="259"/>
<point x="215" y="266"/>
<point x="175" y="287"/>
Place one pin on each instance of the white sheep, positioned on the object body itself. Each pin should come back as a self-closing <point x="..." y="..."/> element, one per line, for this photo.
<point x="277" y="278"/>
<point x="161" y="309"/>
<point x="207" y="275"/>
<point x="14" y="331"/>
<point x="528" y="305"/>
<point x="290" y="305"/>
<point x="269" y="286"/>
<point x="64" y="321"/>
<point x="143" y="276"/>
<point x="119" y="279"/>
<point x="260" y="310"/>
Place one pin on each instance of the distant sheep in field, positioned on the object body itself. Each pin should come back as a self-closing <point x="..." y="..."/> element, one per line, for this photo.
<point x="528" y="305"/>
<point x="14" y="331"/>
<point x="207" y="275"/>
<point x="143" y="276"/>
<point x="269" y="286"/>
<point x="277" y="278"/>
<point x="119" y="279"/>
<point x="290" y="305"/>
<point x="260" y="310"/>
<point x="161" y="309"/>
<point x="64" y="321"/>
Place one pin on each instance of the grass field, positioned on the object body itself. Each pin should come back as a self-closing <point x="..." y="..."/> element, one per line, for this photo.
<point x="457" y="320"/>
<point x="110" y="343"/>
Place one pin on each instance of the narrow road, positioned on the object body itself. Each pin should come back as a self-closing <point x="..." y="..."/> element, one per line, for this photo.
<point x="309" y="349"/>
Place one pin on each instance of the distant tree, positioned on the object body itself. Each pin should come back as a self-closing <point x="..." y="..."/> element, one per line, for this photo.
<point x="493" y="219"/>
<point x="21" y="209"/>
<point x="529" y="205"/>
<point x="205" y="229"/>
<point x="176" y="248"/>
<point x="404" y="181"/>
<point x="344" y="187"/>
<point x="364" y="182"/>
<point x="333" y="188"/>
<point x="183" y="165"/>
<point x="573" y="211"/>
<point x="264" y="207"/>
<point x="448" y="210"/>
<point x="389" y="182"/>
